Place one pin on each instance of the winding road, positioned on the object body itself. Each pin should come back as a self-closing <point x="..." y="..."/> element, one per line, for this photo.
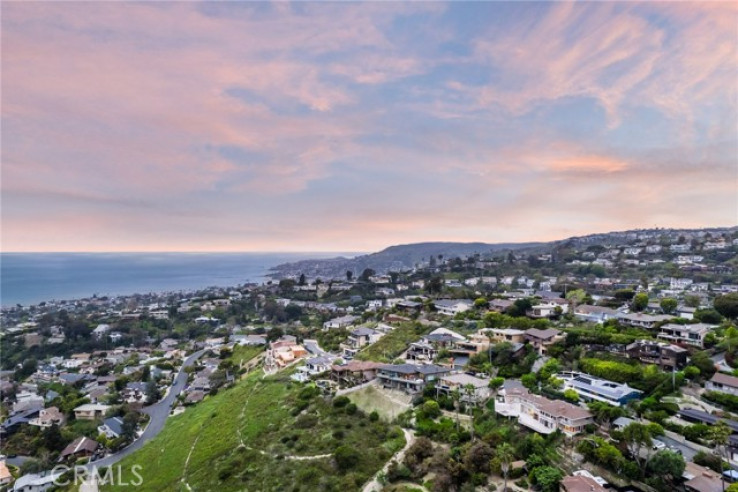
<point x="158" y="413"/>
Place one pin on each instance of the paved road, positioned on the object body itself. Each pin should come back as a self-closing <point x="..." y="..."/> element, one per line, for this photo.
<point x="687" y="451"/>
<point x="158" y="413"/>
<point x="18" y="460"/>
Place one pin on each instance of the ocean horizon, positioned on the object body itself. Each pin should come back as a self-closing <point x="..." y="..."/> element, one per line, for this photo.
<point x="31" y="278"/>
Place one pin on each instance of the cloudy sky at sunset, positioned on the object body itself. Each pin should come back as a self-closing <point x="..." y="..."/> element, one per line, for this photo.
<point x="352" y="127"/>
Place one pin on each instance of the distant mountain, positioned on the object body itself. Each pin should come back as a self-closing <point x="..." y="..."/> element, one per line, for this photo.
<point x="406" y="256"/>
<point x="393" y="258"/>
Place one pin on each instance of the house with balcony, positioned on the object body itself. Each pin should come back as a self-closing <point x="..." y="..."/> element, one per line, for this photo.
<point x="542" y="339"/>
<point x="590" y="388"/>
<point x="687" y="334"/>
<point x="427" y="348"/>
<point x="409" y="378"/>
<point x="595" y="314"/>
<point x="501" y="335"/>
<point x="472" y="390"/>
<point x="355" y="372"/>
<point x="541" y="414"/>
<point x="665" y="355"/>
<point x="451" y="307"/>
<point x="358" y="339"/>
<point x="48" y="417"/>
<point x="549" y="308"/>
<point x="642" y="320"/>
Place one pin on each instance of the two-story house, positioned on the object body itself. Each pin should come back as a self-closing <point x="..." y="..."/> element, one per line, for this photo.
<point x="687" y="334"/>
<point x="665" y="355"/>
<point x="541" y="414"/>
<point x="409" y="378"/>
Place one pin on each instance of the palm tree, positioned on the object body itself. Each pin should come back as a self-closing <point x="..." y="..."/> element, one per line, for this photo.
<point x="456" y="397"/>
<point x="505" y="455"/>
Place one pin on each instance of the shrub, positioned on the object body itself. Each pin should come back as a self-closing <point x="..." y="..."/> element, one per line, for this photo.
<point x="351" y="409"/>
<point x="341" y="401"/>
<point x="346" y="457"/>
<point x="374" y="416"/>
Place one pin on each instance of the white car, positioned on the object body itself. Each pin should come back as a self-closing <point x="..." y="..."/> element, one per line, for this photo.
<point x="658" y="445"/>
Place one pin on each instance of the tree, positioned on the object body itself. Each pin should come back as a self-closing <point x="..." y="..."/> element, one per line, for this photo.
<point x="349" y="275"/>
<point x="496" y="383"/>
<point x="346" y="457"/>
<point x="434" y="285"/>
<point x="152" y="392"/>
<point x="571" y="395"/>
<point x="692" y="301"/>
<point x="640" y="301"/>
<point x="668" y="305"/>
<point x="368" y="272"/>
<point x="667" y="464"/>
<point x="727" y="305"/>
<point x="547" y="478"/>
<point x="719" y="437"/>
<point x="505" y="455"/>
<point x="302" y="279"/>
<point x="637" y="438"/>
<point x="576" y="296"/>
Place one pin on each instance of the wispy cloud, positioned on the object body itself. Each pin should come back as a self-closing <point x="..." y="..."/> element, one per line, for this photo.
<point x="272" y="126"/>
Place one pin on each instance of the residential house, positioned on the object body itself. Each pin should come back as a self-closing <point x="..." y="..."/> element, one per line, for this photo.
<point x="451" y="307"/>
<point x="596" y="314"/>
<point x="549" y="309"/>
<point x="134" y="392"/>
<point x="427" y="348"/>
<point x="688" y="334"/>
<point x="312" y="367"/>
<point x="5" y="476"/>
<point x="581" y="483"/>
<point x="665" y="355"/>
<point x="472" y="390"/>
<point x="642" y="320"/>
<point x="355" y="372"/>
<point x="25" y="400"/>
<point x="409" y="378"/>
<point x="541" y="414"/>
<point x="37" y="482"/>
<point x="90" y="411"/>
<point x="591" y="388"/>
<point x="358" y="339"/>
<point x="500" y="335"/>
<point x="100" y="330"/>
<point x="723" y="383"/>
<point x="112" y="427"/>
<point x="48" y="417"/>
<point x="283" y="352"/>
<point x="701" y="479"/>
<point x="542" y="339"/>
<point x="11" y="424"/>
<point x="341" y="322"/>
<point x="82" y="447"/>
<point x="500" y="305"/>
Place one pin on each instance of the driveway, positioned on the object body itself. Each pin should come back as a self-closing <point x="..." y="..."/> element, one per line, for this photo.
<point x="158" y="413"/>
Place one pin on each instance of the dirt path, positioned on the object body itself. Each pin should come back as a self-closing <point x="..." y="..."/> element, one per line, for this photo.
<point x="374" y="485"/>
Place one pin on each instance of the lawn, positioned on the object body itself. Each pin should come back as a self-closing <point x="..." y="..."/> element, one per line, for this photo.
<point x="248" y="438"/>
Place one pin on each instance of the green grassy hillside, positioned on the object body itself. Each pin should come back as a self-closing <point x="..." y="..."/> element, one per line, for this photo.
<point x="265" y="434"/>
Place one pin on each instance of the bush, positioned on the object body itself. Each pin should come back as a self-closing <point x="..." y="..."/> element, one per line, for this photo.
<point x="351" y="409"/>
<point x="341" y="401"/>
<point x="374" y="416"/>
<point x="730" y="402"/>
<point x="346" y="457"/>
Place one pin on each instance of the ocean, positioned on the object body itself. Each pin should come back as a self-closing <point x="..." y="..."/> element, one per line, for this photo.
<point x="30" y="278"/>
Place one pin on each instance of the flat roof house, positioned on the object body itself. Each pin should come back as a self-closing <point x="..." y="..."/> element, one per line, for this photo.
<point x="591" y="388"/>
<point x="451" y="307"/>
<point x="90" y="411"/>
<point x="409" y="378"/>
<point x="688" y="334"/>
<point x="471" y="388"/>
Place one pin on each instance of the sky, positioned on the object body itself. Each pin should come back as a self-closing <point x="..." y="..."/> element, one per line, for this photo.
<point x="316" y="126"/>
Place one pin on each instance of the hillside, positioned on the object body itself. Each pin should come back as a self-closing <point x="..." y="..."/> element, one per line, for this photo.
<point x="264" y="434"/>
<point x="392" y="258"/>
<point x="406" y="256"/>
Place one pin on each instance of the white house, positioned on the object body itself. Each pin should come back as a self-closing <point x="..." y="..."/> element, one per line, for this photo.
<point x="451" y="307"/>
